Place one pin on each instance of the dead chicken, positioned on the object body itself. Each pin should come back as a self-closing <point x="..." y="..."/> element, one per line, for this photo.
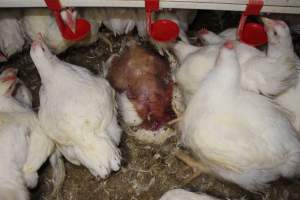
<point x="146" y="93"/>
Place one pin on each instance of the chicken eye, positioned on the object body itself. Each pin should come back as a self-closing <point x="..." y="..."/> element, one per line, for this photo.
<point x="275" y="33"/>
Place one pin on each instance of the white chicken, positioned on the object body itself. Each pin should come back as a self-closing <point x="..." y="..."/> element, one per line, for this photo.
<point x="77" y="111"/>
<point x="120" y="20"/>
<point x="258" y="70"/>
<point x="280" y="46"/>
<point x="238" y="135"/>
<point x="229" y="34"/>
<point x="41" y="21"/>
<point x="210" y="38"/>
<point x="180" y="194"/>
<point x="16" y="124"/>
<point x="11" y="33"/>
<point x="140" y="22"/>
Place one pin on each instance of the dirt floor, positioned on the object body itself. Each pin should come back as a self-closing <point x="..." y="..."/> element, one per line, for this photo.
<point x="147" y="170"/>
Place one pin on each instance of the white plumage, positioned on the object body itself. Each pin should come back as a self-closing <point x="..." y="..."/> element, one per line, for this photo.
<point x="16" y="124"/>
<point x="41" y="21"/>
<point x="260" y="73"/>
<point x="127" y="110"/>
<point x="280" y="46"/>
<point x="11" y="33"/>
<point x="240" y="136"/>
<point x="120" y="20"/>
<point x="180" y="194"/>
<point x="78" y="111"/>
<point x="210" y="38"/>
<point x="229" y="34"/>
<point x="141" y="23"/>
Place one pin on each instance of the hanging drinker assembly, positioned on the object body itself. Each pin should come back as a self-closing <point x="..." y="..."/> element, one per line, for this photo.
<point x="161" y="30"/>
<point x="83" y="27"/>
<point x="252" y="33"/>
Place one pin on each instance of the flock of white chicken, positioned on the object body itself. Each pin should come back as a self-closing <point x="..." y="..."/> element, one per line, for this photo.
<point x="21" y="26"/>
<point x="242" y="117"/>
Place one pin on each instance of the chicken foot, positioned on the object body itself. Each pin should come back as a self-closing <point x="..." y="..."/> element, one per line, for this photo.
<point x="198" y="169"/>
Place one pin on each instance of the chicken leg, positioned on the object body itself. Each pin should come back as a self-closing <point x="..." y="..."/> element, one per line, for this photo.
<point x="198" y="169"/>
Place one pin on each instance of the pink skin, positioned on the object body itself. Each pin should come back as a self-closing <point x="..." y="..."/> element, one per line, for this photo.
<point x="229" y="45"/>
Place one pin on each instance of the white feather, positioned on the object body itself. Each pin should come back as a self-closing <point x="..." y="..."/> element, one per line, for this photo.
<point x="180" y="194"/>
<point x="11" y="33"/>
<point x="260" y="73"/>
<point x="16" y="125"/>
<point x="241" y="136"/>
<point x="40" y="20"/>
<point x="128" y="112"/>
<point x="141" y="22"/>
<point x="120" y="20"/>
<point x="82" y="121"/>
<point x="280" y="46"/>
